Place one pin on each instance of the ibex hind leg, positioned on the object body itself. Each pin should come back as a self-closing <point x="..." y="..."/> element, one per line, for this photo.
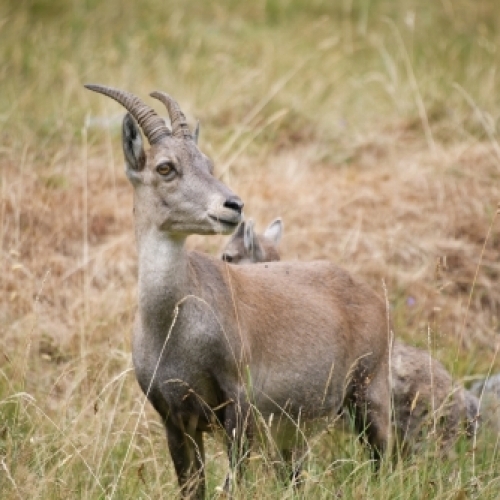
<point x="378" y="415"/>
<point x="371" y="412"/>
<point x="185" y="443"/>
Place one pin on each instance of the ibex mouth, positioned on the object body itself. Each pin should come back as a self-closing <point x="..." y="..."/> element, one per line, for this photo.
<point x="229" y="223"/>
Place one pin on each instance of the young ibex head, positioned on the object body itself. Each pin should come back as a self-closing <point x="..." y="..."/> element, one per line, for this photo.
<point x="174" y="185"/>
<point x="248" y="247"/>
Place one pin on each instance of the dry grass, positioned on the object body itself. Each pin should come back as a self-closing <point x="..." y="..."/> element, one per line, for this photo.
<point x="356" y="132"/>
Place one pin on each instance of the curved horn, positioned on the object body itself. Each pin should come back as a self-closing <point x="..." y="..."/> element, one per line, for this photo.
<point x="179" y="125"/>
<point x="153" y="126"/>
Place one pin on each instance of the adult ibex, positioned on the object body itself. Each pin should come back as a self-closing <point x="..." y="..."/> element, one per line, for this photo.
<point x="424" y="395"/>
<point x="284" y="343"/>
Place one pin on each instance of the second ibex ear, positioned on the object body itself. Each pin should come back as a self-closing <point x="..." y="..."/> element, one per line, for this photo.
<point x="133" y="149"/>
<point x="274" y="231"/>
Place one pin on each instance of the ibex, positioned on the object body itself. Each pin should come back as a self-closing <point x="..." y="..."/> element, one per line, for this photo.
<point x="426" y="400"/>
<point x="424" y="396"/>
<point x="246" y="246"/>
<point x="286" y="343"/>
<point x="488" y="391"/>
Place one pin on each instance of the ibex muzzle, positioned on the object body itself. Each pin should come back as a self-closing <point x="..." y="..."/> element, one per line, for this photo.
<point x="289" y="344"/>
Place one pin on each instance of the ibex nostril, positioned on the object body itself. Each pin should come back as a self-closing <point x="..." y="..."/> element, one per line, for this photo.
<point x="234" y="203"/>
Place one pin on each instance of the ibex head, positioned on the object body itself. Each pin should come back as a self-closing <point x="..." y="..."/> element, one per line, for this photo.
<point x="247" y="247"/>
<point x="175" y="189"/>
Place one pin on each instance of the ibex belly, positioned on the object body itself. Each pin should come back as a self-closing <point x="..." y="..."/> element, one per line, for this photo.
<point x="305" y="392"/>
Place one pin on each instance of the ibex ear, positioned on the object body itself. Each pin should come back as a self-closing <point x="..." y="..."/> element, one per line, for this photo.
<point x="249" y="237"/>
<point x="196" y="134"/>
<point x="133" y="149"/>
<point x="239" y="232"/>
<point x="274" y="231"/>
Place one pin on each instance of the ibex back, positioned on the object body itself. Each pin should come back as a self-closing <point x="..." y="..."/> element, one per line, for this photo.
<point x="217" y="343"/>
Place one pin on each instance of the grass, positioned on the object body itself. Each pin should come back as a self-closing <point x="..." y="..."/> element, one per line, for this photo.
<point x="369" y="126"/>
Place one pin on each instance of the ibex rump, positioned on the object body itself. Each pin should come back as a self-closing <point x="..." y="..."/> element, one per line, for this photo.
<point x="219" y="343"/>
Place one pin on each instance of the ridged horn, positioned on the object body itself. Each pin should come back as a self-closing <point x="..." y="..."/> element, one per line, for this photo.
<point x="178" y="120"/>
<point x="152" y="125"/>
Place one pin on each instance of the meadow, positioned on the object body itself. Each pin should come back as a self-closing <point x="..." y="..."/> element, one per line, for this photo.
<point x="370" y="126"/>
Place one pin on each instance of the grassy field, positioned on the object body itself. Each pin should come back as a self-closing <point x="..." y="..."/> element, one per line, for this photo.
<point x="371" y="127"/>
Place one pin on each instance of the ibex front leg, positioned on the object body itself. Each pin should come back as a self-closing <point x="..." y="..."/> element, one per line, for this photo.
<point x="185" y="443"/>
<point x="238" y="435"/>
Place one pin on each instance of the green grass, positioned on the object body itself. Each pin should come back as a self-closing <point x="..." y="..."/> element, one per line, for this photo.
<point x="364" y="62"/>
<point x="263" y="77"/>
<point x="70" y="462"/>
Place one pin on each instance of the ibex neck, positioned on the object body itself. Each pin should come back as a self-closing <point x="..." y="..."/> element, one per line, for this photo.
<point x="163" y="272"/>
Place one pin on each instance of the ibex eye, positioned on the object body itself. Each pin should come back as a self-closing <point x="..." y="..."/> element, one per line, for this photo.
<point x="165" y="168"/>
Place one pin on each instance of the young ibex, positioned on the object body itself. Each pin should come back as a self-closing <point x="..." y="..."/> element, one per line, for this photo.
<point x="247" y="247"/>
<point x="423" y="393"/>
<point x="287" y="343"/>
<point x="426" y="400"/>
<point x="488" y="391"/>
